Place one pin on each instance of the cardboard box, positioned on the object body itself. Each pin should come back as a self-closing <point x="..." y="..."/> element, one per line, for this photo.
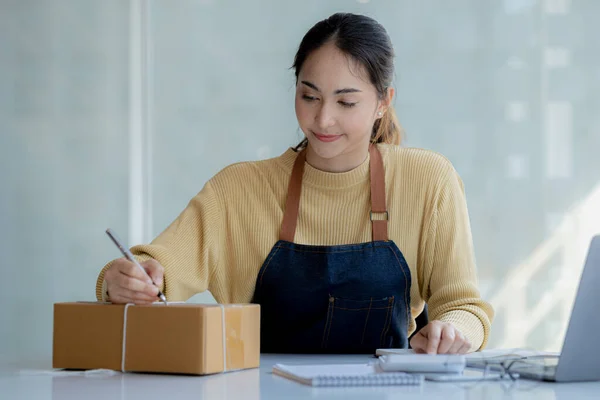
<point x="178" y="338"/>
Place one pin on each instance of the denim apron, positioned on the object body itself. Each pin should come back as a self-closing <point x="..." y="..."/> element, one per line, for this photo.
<point x="351" y="298"/>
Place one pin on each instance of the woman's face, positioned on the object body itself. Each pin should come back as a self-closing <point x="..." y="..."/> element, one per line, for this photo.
<point x="336" y="107"/>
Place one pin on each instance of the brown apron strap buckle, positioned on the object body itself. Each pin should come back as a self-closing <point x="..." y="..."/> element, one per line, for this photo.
<point x="387" y="215"/>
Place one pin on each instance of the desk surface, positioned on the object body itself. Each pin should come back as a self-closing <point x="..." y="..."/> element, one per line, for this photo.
<point x="262" y="384"/>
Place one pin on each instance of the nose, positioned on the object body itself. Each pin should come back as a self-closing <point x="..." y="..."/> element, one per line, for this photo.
<point x="324" y="118"/>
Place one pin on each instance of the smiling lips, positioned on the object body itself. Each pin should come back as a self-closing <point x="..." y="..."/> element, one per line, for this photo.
<point x="327" y="138"/>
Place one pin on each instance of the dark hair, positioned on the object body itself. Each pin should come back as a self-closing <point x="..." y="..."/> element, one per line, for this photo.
<point x="367" y="42"/>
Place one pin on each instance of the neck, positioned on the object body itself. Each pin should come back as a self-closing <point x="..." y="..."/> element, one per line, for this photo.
<point x="341" y="163"/>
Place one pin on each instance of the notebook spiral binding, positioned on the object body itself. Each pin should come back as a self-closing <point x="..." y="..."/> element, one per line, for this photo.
<point x="387" y="379"/>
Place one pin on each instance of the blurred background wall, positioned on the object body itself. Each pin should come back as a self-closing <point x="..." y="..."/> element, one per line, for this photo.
<point x="115" y="113"/>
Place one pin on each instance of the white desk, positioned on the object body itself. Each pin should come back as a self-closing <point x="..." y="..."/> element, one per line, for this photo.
<point x="261" y="384"/>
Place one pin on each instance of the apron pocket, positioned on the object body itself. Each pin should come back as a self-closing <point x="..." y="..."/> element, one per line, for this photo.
<point x="358" y="326"/>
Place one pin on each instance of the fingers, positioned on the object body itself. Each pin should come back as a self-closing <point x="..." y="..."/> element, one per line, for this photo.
<point x="128" y="268"/>
<point x="459" y="342"/>
<point x="466" y="347"/>
<point x="447" y="339"/>
<point x="433" y="337"/>
<point x="131" y="290"/>
<point x="127" y="296"/>
<point x="127" y="300"/>
<point x="134" y="285"/>
<point x="127" y="283"/>
<point x="155" y="270"/>
<point x="419" y="341"/>
<point x="440" y="338"/>
<point x="130" y="277"/>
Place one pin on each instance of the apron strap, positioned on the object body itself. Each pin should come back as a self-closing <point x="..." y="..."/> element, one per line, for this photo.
<point x="379" y="226"/>
<point x="292" y="203"/>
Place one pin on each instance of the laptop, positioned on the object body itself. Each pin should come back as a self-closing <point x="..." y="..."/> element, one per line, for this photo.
<point x="579" y="359"/>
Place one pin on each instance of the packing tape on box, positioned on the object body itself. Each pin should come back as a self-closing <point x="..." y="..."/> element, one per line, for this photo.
<point x="224" y="337"/>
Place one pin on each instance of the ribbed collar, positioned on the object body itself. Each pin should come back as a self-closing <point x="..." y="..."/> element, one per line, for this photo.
<point x="333" y="180"/>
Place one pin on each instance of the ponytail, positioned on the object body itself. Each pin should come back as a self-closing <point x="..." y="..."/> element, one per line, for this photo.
<point x="387" y="129"/>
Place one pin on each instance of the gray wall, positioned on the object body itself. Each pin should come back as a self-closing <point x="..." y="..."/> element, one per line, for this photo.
<point x="508" y="90"/>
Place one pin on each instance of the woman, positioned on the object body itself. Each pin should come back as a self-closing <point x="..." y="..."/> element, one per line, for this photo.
<point x="341" y="240"/>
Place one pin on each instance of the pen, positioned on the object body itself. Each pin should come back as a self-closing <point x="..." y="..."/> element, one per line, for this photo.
<point x="131" y="258"/>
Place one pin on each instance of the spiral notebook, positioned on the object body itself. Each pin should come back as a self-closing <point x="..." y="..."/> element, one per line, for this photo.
<point x="345" y="375"/>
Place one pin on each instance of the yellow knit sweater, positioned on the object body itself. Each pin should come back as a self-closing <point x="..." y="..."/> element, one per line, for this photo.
<point x="221" y="239"/>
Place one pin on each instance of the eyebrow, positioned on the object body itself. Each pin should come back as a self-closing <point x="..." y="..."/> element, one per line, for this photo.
<point x="339" y="91"/>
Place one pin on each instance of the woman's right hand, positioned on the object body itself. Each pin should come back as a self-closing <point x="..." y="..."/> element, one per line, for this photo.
<point x="126" y="283"/>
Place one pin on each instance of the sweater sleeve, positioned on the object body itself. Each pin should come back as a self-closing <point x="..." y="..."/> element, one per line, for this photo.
<point x="188" y="248"/>
<point x="450" y="285"/>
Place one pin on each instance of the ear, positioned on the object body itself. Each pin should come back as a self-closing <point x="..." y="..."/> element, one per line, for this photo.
<point x="386" y="101"/>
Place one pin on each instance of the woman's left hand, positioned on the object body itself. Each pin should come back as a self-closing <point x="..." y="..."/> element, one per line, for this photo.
<point x="439" y="337"/>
